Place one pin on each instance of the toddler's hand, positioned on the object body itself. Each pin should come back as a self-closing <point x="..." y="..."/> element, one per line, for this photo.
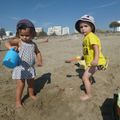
<point x="94" y="63"/>
<point x="15" y="48"/>
<point x="67" y="61"/>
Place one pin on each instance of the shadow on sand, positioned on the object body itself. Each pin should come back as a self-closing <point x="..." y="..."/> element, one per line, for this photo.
<point x="41" y="81"/>
<point x="109" y="109"/>
<point x="39" y="84"/>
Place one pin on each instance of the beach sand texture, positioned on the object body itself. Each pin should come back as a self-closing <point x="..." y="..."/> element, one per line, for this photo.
<point x="58" y="83"/>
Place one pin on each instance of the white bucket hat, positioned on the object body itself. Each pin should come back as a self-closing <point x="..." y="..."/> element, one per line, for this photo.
<point x="85" y="18"/>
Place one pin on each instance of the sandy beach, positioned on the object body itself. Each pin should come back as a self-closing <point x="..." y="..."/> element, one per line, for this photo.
<point x="57" y="83"/>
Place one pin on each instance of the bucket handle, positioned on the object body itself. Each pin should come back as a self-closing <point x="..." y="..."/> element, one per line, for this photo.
<point x="13" y="49"/>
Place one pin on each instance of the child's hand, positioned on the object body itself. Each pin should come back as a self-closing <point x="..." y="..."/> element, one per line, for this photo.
<point x="16" y="48"/>
<point x="94" y="63"/>
<point x="67" y="61"/>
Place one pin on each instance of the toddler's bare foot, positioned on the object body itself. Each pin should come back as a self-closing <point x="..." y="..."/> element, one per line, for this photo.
<point x="33" y="97"/>
<point x="85" y="97"/>
<point x="18" y="105"/>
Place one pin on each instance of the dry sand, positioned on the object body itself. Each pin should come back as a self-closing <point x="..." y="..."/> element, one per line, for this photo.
<point x="58" y="84"/>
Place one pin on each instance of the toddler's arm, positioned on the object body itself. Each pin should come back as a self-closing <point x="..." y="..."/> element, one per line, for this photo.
<point x="38" y="56"/>
<point x="96" y="55"/>
<point x="12" y="43"/>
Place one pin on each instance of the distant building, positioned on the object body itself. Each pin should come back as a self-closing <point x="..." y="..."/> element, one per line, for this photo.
<point x="9" y="33"/>
<point x="55" y="29"/>
<point x="50" y="31"/>
<point x="65" y="31"/>
<point x="38" y="29"/>
<point x="118" y="28"/>
<point x="58" y="30"/>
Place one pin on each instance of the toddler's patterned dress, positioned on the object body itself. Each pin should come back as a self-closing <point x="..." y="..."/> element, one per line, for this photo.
<point x="26" y="68"/>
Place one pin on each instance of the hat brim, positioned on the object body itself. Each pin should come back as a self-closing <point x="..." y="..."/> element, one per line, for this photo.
<point x="77" y="25"/>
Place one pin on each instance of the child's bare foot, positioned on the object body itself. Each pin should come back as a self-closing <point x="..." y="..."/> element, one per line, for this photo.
<point x="33" y="97"/>
<point x="18" y="105"/>
<point x="85" y="97"/>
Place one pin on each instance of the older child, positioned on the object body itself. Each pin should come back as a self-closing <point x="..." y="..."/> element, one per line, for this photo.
<point x="91" y="51"/>
<point x="27" y="49"/>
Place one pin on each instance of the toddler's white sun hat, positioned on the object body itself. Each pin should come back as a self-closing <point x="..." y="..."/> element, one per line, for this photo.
<point x="85" y="18"/>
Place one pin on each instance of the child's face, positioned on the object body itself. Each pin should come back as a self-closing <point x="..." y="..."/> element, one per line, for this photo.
<point x="25" y="35"/>
<point x="85" y="28"/>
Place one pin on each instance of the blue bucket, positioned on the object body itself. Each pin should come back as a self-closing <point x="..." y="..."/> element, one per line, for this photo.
<point x="11" y="59"/>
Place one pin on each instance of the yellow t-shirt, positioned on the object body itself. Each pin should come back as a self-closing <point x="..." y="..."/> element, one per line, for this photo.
<point x="88" y="51"/>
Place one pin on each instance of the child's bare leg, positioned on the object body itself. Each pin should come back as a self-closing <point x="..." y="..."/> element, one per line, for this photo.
<point x="31" y="88"/>
<point x="88" y="90"/>
<point x="19" y="90"/>
<point x="90" y="71"/>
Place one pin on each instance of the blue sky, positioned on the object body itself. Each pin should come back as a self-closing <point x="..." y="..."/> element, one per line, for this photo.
<point x="47" y="13"/>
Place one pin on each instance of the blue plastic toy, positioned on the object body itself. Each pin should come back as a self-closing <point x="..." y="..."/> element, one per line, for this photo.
<point x="11" y="59"/>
